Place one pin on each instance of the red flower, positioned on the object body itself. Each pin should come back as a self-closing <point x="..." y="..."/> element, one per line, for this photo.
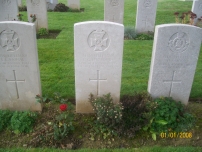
<point x="63" y="107"/>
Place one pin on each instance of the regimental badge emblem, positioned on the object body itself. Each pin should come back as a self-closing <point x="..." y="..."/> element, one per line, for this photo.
<point x="9" y="40"/>
<point x="35" y="2"/>
<point x="98" y="40"/>
<point x="147" y="3"/>
<point x="114" y="2"/>
<point x="179" y="42"/>
<point x="6" y="2"/>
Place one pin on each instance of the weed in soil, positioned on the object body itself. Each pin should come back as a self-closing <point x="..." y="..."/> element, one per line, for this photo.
<point x="52" y="34"/>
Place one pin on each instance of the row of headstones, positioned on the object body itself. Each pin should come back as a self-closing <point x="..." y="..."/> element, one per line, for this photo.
<point x="146" y="13"/>
<point x="114" y="11"/>
<point x="145" y="17"/>
<point x="38" y="8"/>
<point x="9" y="11"/>
<point x="98" y="57"/>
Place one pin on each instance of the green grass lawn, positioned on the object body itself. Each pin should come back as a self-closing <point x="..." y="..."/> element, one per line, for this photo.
<point x="56" y="56"/>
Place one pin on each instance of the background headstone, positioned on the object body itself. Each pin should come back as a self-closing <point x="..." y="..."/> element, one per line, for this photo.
<point x="51" y="4"/>
<point x="114" y="11"/>
<point x="19" y="67"/>
<point x="74" y="4"/>
<point x="146" y="16"/>
<point x="197" y="9"/>
<point x="174" y="58"/>
<point x="98" y="49"/>
<point x="8" y="10"/>
<point x="39" y="8"/>
<point x="19" y="2"/>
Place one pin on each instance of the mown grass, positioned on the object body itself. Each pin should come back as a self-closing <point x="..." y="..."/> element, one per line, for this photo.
<point x="144" y="149"/>
<point x="56" y="57"/>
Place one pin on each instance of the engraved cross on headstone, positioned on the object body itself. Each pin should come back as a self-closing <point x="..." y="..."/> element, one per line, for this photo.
<point x="172" y="82"/>
<point x="15" y="81"/>
<point x="145" y="22"/>
<point x="98" y="82"/>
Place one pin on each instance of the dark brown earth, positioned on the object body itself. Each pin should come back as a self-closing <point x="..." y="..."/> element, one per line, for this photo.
<point x="42" y="134"/>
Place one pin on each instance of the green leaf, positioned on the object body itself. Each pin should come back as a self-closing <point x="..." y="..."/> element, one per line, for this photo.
<point x="154" y="136"/>
<point x="16" y="132"/>
<point x="92" y="138"/>
<point x="162" y="122"/>
<point x="145" y="128"/>
<point x="151" y="120"/>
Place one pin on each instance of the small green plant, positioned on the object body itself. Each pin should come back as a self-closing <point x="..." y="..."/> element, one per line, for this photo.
<point x="41" y="99"/>
<point x="19" y="17"/>
<point x="129" y="33"/>
<point x="60" y="7"/>
<point x="5" y="117"/>
<point x="56" y="99"/>
<point x="169" y="116"/>
<point x="137" y="113"/>
<point x="33" y="17"/>
<point x="145" y="36"/>
<point x="64" y="121"/>
<point x="73" y="10"/>
<point x="23" y="121"/>
<point x="108" y="115"/>
<point x="42" y="31"/>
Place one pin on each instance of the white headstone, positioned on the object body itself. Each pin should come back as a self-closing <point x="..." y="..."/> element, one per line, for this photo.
<point x="74" y="4"/>
<point x="197" y="9"/>
<point x="19" y="67"/>
<point x="98" y="50"/>
<point x="114" y="11"/>
<point x="8" y="10"/>
<point x="38" y="8"/>
<point x="146" y="16"/>
<point x="174" y="58"/>
<point x="19" y="2"/>
<point x="51" y="4"/>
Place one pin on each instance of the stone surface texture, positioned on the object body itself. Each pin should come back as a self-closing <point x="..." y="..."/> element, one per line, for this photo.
<point x="39" y="8"/>
<point x="197" y="9"/>
<point x="146" y="16"/>
<point x="114" y="11"/>
<point x="8" y="10"/>
<point x="19" y="2"/>
<point x="174" y="58"/>
<point x="74" y="4"/>
<point x="98" y="51"/>
<point x="19" y="67"/>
